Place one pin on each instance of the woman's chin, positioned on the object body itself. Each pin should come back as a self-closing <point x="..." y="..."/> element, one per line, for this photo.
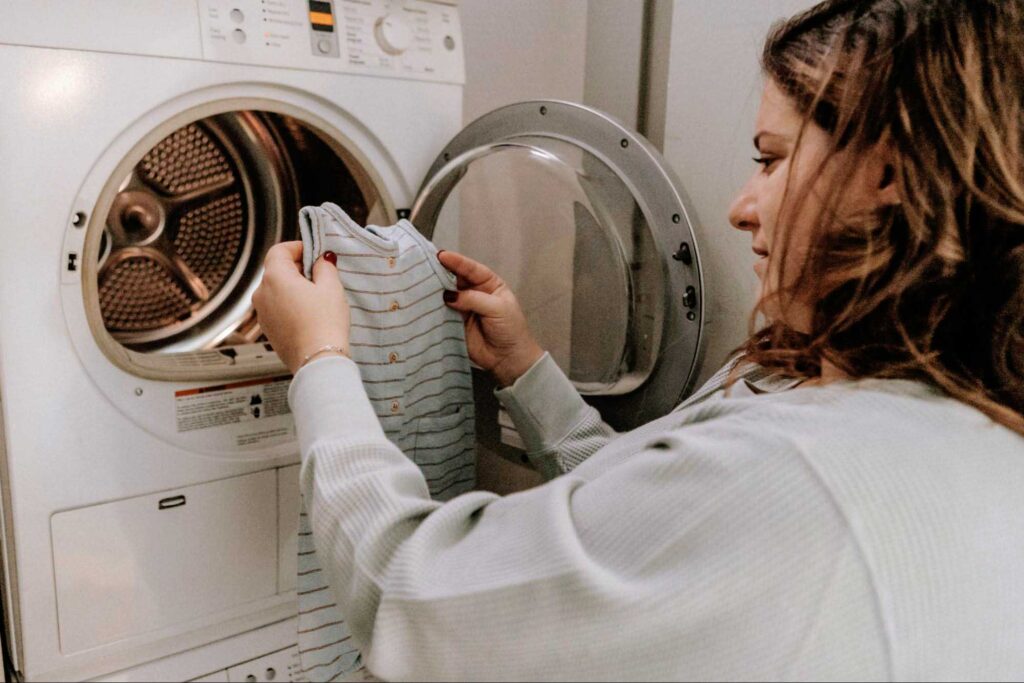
<point x="760" y="266"/>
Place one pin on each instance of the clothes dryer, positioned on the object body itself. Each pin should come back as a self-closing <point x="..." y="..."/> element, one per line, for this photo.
<point x="154" y="152"/>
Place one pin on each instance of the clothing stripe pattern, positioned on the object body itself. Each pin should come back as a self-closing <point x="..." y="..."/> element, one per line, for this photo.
<point x="411" y="353"/>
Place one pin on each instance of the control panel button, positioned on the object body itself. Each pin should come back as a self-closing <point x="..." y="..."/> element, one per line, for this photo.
<point x="238" y="35"/>
<point x="237" y="16"/>
<point x="393" y="34"/>
<point x="324" y="46"/>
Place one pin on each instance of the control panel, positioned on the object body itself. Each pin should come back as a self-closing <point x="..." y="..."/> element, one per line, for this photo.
<point x="417" y="39"/>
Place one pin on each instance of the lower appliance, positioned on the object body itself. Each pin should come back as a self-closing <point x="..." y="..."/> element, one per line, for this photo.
<point x="154" y="152"/>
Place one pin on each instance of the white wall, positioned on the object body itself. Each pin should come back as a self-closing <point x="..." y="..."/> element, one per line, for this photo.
<point x="578" y="50"/>
<point x="711" y="94"/>
<point x="615" y="53"/>
<point x="522" y="49"/>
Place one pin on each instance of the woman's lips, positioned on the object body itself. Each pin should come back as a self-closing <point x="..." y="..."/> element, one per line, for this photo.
<point x="759" y="265"/>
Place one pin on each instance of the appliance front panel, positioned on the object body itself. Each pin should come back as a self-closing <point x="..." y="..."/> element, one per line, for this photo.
<point x="404" y="39"/>
<point x="411" y="39"/>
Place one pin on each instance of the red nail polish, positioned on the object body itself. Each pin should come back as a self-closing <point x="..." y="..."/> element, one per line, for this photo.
<point x="450" y="296"/>
<point x="331" y="258"/>
<point x="441" y="251"/>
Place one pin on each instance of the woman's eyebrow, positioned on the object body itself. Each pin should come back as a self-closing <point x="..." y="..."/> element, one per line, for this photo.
<point x="765" y="134"/>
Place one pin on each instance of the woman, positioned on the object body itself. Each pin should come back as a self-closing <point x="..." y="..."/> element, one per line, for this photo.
<point x="849" y="507"/>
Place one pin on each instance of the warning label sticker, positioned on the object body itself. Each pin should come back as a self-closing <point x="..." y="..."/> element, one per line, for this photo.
<point x="228" y="404"/>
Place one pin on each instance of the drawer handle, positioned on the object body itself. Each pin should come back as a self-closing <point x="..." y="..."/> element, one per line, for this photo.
<point x="172" y="502"/>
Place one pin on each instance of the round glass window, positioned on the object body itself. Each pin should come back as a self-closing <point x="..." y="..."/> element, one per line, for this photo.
<point x="567" y="235"/>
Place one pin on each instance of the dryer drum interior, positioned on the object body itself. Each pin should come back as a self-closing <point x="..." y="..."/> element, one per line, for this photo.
<point x="184" y="239"/>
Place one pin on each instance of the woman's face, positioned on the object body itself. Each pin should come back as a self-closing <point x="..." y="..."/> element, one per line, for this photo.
<point x="787" y="195"/>
<point x="758" y="208"/>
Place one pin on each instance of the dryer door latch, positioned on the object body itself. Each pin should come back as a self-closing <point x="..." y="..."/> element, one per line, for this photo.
<point x="690" y="298"/>
<point x="683" y="254"/>
<point x="72" y="261"/>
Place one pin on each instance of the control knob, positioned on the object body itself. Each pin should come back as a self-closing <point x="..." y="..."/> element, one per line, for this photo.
<point x="393" y="34"/>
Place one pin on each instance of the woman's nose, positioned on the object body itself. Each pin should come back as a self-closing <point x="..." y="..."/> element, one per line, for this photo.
<point x="743" y="212"/>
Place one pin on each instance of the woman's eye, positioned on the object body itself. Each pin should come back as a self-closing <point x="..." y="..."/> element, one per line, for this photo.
<point x="766" y="161"/>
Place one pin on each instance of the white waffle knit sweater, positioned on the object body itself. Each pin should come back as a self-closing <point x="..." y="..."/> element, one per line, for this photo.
<point x="860" y="530"/>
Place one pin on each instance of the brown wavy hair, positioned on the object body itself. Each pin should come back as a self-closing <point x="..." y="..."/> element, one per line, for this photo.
<point x="931" y="289"/>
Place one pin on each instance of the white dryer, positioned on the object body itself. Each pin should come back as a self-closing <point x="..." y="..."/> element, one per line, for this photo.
<point x="153" y="152"/>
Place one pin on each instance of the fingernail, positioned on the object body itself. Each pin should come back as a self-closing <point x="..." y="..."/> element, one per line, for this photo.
<point x="331" y="258"/>
<point x="443" y="265"/>
<point x="449" y="296"/>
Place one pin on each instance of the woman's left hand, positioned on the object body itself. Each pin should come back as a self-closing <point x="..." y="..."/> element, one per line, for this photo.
<point x="300" y="317"/>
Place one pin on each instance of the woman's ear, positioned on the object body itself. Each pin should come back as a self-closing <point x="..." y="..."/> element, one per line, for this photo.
<point x="888" y="194"/>
<point x="888" y="175"/>
<point x="884" y="161"/>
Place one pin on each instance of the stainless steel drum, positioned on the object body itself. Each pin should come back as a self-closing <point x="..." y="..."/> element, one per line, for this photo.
<point x="188" y="229"/>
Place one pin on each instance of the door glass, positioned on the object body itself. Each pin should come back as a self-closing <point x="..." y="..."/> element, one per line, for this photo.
<point x="565" y="232"/>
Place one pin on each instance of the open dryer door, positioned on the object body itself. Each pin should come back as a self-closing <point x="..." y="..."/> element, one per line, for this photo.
<point x="589" y="227"/>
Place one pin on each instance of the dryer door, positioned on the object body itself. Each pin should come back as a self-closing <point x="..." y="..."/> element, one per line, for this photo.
<point x="589" y="227"/>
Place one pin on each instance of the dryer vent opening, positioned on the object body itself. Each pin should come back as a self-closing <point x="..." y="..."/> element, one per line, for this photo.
<point x="183" y="243"/>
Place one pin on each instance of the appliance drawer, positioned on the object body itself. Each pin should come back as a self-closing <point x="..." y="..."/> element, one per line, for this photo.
<point x="145" y="563"/>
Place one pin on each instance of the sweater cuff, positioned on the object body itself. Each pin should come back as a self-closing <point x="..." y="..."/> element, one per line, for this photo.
<point x="543" y="404"/>
<point x="328" y="401"/>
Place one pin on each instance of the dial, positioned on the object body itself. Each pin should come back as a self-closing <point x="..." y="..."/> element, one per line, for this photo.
<point x="393" y="34"/>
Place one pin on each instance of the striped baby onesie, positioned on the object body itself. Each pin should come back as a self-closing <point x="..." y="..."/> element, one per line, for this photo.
<point x="411" y="353"/>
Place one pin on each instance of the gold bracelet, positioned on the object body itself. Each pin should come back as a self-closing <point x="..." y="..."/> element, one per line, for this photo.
<point x="323" y="349"/>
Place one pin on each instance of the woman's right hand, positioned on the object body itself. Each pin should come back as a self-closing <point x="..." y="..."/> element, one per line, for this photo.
<point x="497" y="336"/>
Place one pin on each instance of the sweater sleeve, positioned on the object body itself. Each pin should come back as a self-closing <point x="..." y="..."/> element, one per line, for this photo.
<point x="558" y="428"/>
<point x="701" y="555"/>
